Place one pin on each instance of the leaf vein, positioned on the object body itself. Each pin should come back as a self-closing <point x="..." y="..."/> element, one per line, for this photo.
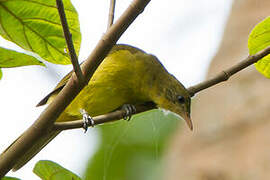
<point x="39" y="3"/>
<point x="46" y="41"/>
<point x="27" y="41"/>
<point x="48" y="21"/>
<point x="4" y="28"/>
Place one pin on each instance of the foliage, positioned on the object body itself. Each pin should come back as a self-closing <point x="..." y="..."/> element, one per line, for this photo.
<point x="35" y="26"/>
<point x="1" y="74"/>
<point x="128" y="150"/>
<point x="9" y="178"/>
<point x="259" y="39"/>
<point x="9" y="58"/>
<point x="133" y="150"/>
<point x="48" y="170"/>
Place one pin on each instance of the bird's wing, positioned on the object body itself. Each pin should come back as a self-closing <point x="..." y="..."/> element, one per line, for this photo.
<point x="56" y="90"/>
<point x="63" y="82"/>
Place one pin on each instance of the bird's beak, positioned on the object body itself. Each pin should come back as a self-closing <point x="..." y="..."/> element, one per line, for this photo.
<point x="186" y="117"/>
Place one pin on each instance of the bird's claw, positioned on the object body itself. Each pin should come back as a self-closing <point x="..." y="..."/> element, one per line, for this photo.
<point x="130" y="109"/>
<point x="87" y="120"/>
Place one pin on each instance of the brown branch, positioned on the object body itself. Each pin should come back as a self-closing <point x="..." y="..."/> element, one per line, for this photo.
<point x="113" y="116"/>
<point x="71" y="89"/>
<point x="226" y="74"/>
<point x="68" y="37"/>
<point x="117" y="115"/>
<point x="111" y="14"/>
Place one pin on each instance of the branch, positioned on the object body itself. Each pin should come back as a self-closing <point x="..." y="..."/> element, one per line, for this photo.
<point x="71" y="89"/>
<point x="111" y="14"/>
<point x="120" y="114"/>
<point x="113" y="116"/>
<point x="226" y="74"/>
<point x="69" y="42"/>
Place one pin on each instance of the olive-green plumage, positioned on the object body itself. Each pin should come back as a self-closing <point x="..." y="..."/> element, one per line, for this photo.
<point x="126" y="76"/>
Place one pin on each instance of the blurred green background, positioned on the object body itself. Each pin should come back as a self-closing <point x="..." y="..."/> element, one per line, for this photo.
<point x="133" y="150"/>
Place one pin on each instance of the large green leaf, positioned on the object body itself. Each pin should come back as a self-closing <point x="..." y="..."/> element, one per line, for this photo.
<point x="133" y="150"/>
<point x="259" y="39"/>
<point x="10" y="58"/>
<point x="48" y="170"/>
<point x="35" y="26"/>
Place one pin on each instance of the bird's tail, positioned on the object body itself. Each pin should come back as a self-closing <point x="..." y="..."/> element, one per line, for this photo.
<point x="36" y="147"/>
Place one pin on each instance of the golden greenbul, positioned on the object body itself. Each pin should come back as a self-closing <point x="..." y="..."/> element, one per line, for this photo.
<point x="127" y="75"/>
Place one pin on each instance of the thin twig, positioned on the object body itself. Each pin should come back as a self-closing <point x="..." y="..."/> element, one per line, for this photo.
<point x="226" y="74"/>
<point x="113" y="116"/>
<point x="223" y="76"/>
<point x="111" y="14"/>
<point x="45" y="121"/>
<point x="68" y="37"/>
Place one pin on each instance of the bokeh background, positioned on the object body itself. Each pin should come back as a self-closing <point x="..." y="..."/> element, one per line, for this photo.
<point x="230" y="139"/>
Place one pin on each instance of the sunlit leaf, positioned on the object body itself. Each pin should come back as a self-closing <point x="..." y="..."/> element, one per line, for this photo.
<point x="10" y="58"/>
<point x="48" y="170"/>
<point x="1" y="73"/>
<point x="259" y="39"/>
<point x="35" y="26"/>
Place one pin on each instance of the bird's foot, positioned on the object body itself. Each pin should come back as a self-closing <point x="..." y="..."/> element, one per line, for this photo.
<point x="87" y="120"/>
<point x="130" y="109"/>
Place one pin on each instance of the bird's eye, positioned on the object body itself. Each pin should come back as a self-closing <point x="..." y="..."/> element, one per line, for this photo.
<point x="181" y="99"/>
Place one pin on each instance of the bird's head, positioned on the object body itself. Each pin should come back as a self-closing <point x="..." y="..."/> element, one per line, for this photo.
<point x="164" y="89"/>
<point x="176" y="98"/>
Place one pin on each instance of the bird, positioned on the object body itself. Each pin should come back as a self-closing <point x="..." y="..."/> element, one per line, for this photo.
<point x="126" y="77"/>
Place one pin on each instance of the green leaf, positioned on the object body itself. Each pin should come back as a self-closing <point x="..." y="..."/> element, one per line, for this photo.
<point x="35" y="26"/>
<point x="48" y="170"/>
<point x="133" y="150"/>
<point x="1" y="74"/>
<point x="10" y="58"/>
<point x="259" y="39"/>
<point x="9" y="178"/>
